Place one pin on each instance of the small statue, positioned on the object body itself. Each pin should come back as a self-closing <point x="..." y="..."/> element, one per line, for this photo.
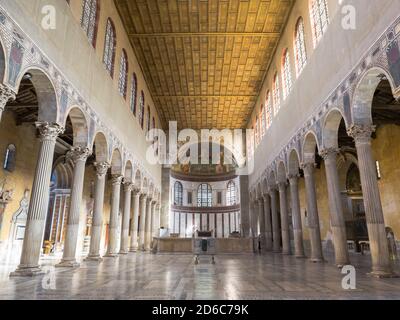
<point x="391" y="244"/>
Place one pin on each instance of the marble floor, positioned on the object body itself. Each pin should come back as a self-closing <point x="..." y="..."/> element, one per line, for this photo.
<point x="158" y="277"/>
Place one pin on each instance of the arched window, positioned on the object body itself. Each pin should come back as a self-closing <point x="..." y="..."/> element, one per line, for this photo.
<point x="109" y="47"/>
<point x="178" y="191"/>
<point x="204" y="195"/>
<point x="257" y="131"/>
<point x="133" y="94"/>
<point x="262" y="120"/>
<point x="300" y="46"/>
<point x="89" y="19"/>
<point x="319" y="19"/>
<point x="148" y="119"/>
<point x="276" y="95"/>
<point x="9" y="158"/>
<point x="153" y="123"/>
<point x="268" y="109"/>
<point x="231" y="194"/>
<point x="286" y="74"/>
<point x="141" y="109"/>
<point x="123" y="74"/>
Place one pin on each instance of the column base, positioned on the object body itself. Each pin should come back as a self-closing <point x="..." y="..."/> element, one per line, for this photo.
<point x="111" y="255"/>
<point x="382" y="274"/>
<point x="133" y="249"/>
<point x="93" y="258"/>
<point x="27" y="272"/>
<point x="317" y="260"/>
<point x="68" y="264"/>
<point x="123" y="252"/>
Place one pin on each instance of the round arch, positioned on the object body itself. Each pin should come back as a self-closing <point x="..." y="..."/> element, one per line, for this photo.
<point x="361" y="109"/>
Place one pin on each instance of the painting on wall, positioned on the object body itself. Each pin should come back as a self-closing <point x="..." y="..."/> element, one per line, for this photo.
<point x="393" y="56"/>
<point x="16" y="58"/>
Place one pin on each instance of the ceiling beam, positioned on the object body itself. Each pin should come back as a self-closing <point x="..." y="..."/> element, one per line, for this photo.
<point x="203" y="34"/>
<point x="206" y="96"/>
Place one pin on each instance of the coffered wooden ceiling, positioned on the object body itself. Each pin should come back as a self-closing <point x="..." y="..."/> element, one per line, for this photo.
<point x="204" y="61"/>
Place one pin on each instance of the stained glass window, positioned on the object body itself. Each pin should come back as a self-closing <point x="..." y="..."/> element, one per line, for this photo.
<point x="204" y="195"/>
<point x="178" y="191"/>
<point x="276" y="94"/>
<point x="89" y="19"/>
<point x="231" y="194"/>
<point x="133" y="94"/>
<point x="109" y="47"/>
<point x="300" y="47"/>
<point x="123" y="74"/>
<point x="286" y="74"/>
<point x="319" y="19"/>
<point x="141" y="109"/>
<point x="268" y="108"/>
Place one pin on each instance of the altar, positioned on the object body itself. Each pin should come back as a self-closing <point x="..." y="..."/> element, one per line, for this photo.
<point x="184" y="245"/>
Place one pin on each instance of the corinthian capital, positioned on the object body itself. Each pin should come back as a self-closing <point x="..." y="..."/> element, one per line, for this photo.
<point x="116" y="179"/>
<point x="327" y="152"/>
<point x="128" y="186"/>
<point x="6" y="94"/>
<point x="361" y="133"/>
<point x="49" y="131"/>
<point x="101" y="168"/>
<point x="78" y="154"/>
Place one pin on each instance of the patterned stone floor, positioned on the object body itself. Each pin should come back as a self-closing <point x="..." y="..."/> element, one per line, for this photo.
<point x="148" y="276"/>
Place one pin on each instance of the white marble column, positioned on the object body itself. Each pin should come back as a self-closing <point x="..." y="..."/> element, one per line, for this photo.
<point x="143" y="201"/>
<point x="253" y="223"/>
<point x="276" y="233"/>
<point x="296" y="216"/>
<point x="135" y="220"/>
<point x="336" y="207"/>
<point x="156" y="221"/>
<point x="147" y="226"/>
<point x="6" y="94"/>
<point x="128" y="186"/>
<point x="260" y="203"/>
<point x="152" y="223"/>
<point x="112" y="250"/>
<point x="38" y="205"/>
<point x="381" y="266"/>
<point x="284" y="218"/>
<point x="97" y="222"/>
<point x="312" y="213"/>
<point x="78" y="155"/>
<point x="268" y="222"/>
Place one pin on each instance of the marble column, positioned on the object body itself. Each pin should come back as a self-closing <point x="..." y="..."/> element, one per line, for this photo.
<point x="152" y="223"/>
<point x="253" y="223"/>
<point x="284" y="218"/>
<point x="296" y="216"/>
<point x="143" y="201"/>
<point x="97" y="222"/>
<point x="156" y="224"/>
<point x="381" y="266"/>
<point x="135" y="220"/>
<point x="261" y="216"/>
<point x="312" y="213"/>
<point x="39" y="201"/>
<point x="112" y="250"/>
<point x="268" y="224"/>
<point x="128" y="186"/>
<point x="6" y="94"/>
<point x="336" y="207"/>
<point x="147" y="225"/>
<point x="78" y="156"/>
<point x="276" y="233"/>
